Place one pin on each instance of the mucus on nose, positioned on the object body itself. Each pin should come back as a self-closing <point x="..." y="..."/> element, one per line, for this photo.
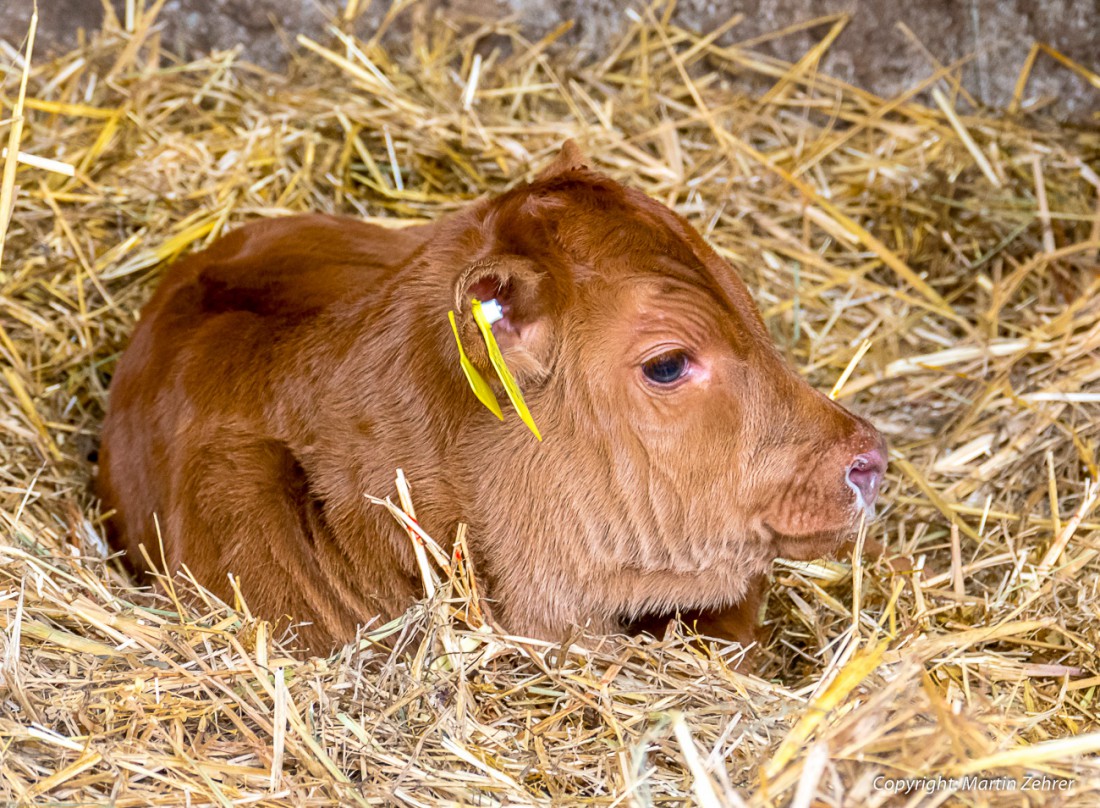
<point x="864" y="476"/>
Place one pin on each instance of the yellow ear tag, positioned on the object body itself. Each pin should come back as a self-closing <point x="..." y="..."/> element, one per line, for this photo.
<point x="497" y="360"/>
<point x="480" y="387"/>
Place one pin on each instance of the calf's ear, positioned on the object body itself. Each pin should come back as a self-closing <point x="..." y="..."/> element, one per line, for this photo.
<point x="570" y="158"/>
<point x="525" y="332"/>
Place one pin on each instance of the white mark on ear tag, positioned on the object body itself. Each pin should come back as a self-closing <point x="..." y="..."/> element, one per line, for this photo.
<point x="492" y="310"/>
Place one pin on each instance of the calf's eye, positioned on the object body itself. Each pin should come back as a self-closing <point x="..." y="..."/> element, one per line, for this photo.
<point x="666" y="368"/>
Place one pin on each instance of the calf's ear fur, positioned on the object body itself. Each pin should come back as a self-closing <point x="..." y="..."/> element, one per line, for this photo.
<point x="570" y="158"/>
<point x="525" y="334"/>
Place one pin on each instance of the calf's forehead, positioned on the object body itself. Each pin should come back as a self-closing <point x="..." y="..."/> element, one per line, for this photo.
<point x="620" y="232"/>
<point x="611" y="235"/>
<point x="615" y="236"/>
<point x="633" y="316"/>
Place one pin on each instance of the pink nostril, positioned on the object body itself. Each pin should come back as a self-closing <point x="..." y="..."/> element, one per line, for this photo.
<point x="865" y="474"/>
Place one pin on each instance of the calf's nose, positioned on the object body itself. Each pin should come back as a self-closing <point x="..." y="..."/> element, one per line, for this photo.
<point x="864" y="476"/>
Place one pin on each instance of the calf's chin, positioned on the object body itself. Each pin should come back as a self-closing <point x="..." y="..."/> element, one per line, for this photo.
<point x="277" y="378"/>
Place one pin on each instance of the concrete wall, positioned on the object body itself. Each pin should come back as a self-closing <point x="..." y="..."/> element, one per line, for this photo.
<point x="873" y="51"/>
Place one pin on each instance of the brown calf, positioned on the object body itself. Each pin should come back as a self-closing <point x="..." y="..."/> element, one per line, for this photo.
<point x="280" y="376"/>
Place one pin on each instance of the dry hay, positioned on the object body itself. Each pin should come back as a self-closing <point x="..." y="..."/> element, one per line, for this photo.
<point x="939" y="267"/>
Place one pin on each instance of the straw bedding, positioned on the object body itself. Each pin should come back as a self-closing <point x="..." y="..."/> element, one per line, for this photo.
<point x="936" y="267"/>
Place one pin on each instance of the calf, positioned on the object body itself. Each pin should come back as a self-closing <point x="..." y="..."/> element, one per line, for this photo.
<point x="277" y="378"/>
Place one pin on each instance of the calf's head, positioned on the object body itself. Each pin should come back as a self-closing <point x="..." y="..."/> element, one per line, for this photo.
<point x="673" y="428"/>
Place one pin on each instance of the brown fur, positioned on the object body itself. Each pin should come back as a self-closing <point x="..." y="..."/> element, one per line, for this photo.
<point x="278" y="377"/>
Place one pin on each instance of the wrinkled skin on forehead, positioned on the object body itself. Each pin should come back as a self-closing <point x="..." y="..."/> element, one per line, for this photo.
<point x="281" y="375"/>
